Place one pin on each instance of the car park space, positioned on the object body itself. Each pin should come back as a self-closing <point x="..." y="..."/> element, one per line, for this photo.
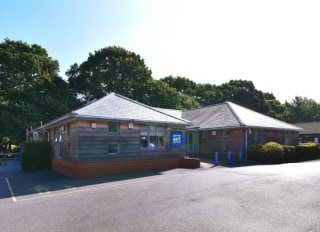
<point x="281" y="197"/>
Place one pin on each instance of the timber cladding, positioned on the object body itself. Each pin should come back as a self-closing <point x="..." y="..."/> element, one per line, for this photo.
<point x="96" y="169"/>
<point x="88" y="141"/>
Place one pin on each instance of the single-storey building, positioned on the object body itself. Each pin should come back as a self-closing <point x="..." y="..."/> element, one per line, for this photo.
<point x="116" y="135"/>
<point x="228" y="127"/>
<point x="310" y="133"/>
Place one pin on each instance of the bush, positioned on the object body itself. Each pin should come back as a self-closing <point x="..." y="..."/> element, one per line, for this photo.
<point x="308" y="151"/>
<point x="290" y="153"/>
<point x="254" y="151"/>
<point x="267" y="152"/>
<point x="273" y="151"/>
<point x="36" y="156"/>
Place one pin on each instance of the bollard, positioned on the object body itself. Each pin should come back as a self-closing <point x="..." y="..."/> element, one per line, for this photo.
<point x="216" y="158"/>
<point x="240" y="156"/>
<point x="229" y="157"/>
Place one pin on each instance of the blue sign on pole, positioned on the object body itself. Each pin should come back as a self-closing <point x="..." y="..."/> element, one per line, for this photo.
<point x="176" y="138"/>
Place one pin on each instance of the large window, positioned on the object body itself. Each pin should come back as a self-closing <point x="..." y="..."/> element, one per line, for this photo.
<point x="153" y="137"/>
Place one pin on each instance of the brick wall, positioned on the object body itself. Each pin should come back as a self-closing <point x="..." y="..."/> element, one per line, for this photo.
<point x="95" y="169"/>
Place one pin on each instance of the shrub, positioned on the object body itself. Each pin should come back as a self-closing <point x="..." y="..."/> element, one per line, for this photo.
<point x="254" y="151"/>
<point x="273" y="151"/>
<point x="290" y="153"/>
<point x="267" y="152"/>
<point x="308" y="151"/>
<point x="36" y="156"/>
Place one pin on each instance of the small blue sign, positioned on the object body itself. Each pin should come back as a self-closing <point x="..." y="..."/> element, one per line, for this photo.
<point x="176" y="138"/>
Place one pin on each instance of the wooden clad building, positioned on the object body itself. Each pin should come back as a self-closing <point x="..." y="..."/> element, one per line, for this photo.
<point x="115" y="135"/>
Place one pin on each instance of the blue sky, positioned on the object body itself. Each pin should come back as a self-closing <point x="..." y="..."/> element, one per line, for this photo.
<point x="275" y="43"/>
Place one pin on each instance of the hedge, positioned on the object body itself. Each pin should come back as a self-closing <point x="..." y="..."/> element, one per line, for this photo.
<point x="308" y="151"/>
<point x="36" y="156"/>
<point x="274" y="152"/>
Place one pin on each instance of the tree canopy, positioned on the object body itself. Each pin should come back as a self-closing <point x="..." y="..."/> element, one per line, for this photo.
<point x="111" y="69"/>
<point x="30" y="89"/>
<point x="114" y="69"/>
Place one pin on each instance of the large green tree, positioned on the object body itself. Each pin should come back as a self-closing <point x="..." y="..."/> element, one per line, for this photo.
<point x="160" y="94"/>
<point x="303" y="109"/>
<point x="111" y="69"/>
<point x="30" y="89"/>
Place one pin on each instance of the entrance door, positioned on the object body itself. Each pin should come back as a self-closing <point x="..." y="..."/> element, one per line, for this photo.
<point x="192" y="143"/>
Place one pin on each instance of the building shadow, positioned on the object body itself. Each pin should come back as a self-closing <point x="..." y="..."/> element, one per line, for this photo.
<point x="16" y="183"/>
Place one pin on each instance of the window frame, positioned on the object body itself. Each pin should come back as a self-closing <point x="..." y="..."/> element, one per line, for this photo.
<point x="153" y="137"/>
<point x="113" y="153"/>
<point x="226" y="133"/>
<point x="117" y="128"/>
<point x="204" y="134"/>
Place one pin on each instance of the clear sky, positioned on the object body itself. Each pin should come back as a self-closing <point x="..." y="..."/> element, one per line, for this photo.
<point x="273" y="43"/>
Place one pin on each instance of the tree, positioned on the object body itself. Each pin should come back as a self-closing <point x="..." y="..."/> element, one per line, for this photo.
<point x="303" y="109"/>
<point x="160" y="94"/>
<point x="209" y="94"/>
<point x="203" y="94"/>
<point x="30" y="89"/>
<point x="23" y="66"/>
<point x="111" y="69"/>
<point x="181" y="84"/>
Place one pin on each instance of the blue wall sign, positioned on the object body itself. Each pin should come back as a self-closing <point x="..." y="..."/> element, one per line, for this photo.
<point x="176" y="138"/>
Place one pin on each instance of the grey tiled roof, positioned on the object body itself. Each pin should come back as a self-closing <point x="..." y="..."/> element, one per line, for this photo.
<point x="230" y="115"/>
<point x="309" y="127"/>
<point x="116" y="107"/>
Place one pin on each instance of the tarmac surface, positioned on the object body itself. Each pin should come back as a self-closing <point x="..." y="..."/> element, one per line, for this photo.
<point x="229" y="197"/>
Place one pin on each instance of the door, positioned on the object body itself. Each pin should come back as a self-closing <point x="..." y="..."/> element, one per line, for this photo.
<point x="192" y="143"/>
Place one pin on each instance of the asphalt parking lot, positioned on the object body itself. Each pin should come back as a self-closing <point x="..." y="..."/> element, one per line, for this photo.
<point x="282" y="197"/>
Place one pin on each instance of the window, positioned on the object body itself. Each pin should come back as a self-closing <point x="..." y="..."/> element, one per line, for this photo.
<point x="57" y="135"/>
<point x="287" y="138"/>
<point x="114" y="127"/>
<point x="152" y="137"/>
<point x="113" y="148"/>
<point x="226" y="133"/>
<point x="204" y="134"/>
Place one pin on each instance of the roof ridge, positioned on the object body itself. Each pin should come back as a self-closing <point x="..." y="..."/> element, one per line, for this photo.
<point x="149" y="107"/>
<point x="203" y="107"/>
<point x="234" y="113"/>
<point x="264" y="115"/>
